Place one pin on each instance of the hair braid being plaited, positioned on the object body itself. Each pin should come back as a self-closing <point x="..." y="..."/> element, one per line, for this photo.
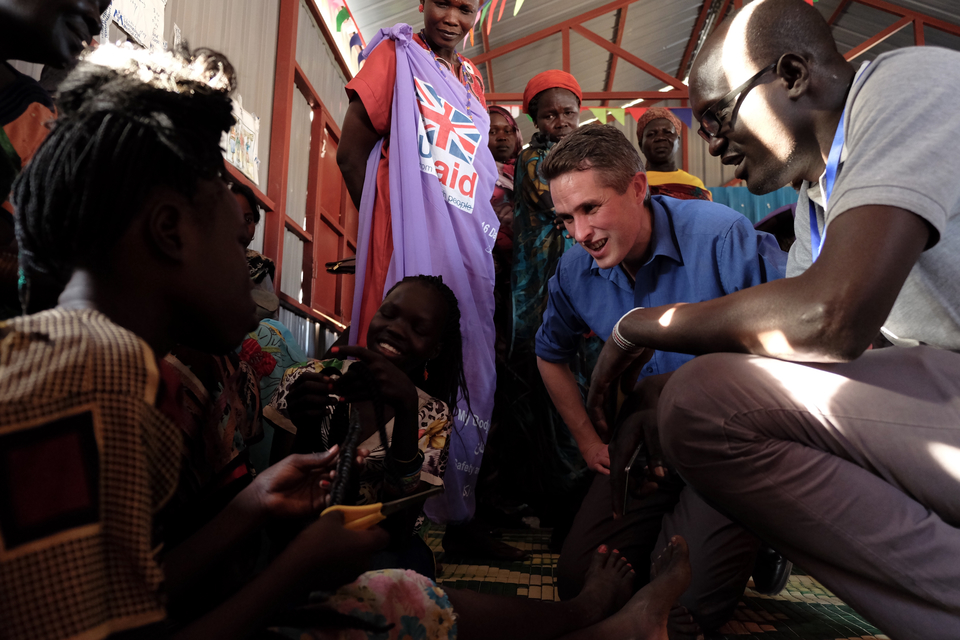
<point x="348" y="450"/>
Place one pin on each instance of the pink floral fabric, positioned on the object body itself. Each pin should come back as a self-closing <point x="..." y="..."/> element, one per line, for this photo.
<point x="416" y="606"/>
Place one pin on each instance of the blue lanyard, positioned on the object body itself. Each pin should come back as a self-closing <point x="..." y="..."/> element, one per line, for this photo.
<point x="833" y="164"/>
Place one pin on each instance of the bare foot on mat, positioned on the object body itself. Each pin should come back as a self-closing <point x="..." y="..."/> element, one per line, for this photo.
<point x="608" y="585"/>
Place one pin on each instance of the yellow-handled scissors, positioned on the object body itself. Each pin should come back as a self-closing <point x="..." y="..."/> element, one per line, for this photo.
<point x="366" y="515"/>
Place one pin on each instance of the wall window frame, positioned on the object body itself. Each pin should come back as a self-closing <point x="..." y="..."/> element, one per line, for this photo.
<point x="330" y="231"/>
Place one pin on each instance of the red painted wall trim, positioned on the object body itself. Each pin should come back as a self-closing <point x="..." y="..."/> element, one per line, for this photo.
<point x="280" y="128"/>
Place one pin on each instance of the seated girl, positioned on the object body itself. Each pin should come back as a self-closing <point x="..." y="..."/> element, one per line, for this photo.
<point x="414" y="370"/>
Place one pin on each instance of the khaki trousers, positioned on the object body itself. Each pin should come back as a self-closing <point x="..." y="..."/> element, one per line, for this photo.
<point x="850" y="470"/>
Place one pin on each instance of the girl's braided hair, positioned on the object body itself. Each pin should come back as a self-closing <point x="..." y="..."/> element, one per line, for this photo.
<point x="129" y="120"/>
<point x="446" y="378"/>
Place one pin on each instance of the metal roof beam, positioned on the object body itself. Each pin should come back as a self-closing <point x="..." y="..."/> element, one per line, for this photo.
<point x="877" y="39"/>
<point x="549" y="31"/>
<point x="485" y="39"/>
<point x="927" y="20"/>
<point x="629" y="57"/>
<point x="839" y="10"/>
<point x="600" y="95"/>
<point x="721" y="15"/>
<point x="704" y="21"/>
<point x="618" y="40"/>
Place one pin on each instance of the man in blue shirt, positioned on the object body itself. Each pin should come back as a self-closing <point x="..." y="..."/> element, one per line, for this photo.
<point x="635" y="250"/>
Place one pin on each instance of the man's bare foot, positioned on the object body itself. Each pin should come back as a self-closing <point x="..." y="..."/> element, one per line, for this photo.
<point x="608" y="585"/>
<point x="644" y="617"/>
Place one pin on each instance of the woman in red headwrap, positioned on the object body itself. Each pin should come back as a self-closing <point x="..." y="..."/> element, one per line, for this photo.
<point x="546" y="469"/>
<point x="552" y="99"/>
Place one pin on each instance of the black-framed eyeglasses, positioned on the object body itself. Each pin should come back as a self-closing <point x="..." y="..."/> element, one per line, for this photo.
<point x="710" y="124"/>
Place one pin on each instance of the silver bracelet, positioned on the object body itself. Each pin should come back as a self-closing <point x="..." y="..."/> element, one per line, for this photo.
<point x="620" y="341"/>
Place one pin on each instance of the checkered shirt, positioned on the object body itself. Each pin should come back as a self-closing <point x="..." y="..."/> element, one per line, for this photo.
<point x="86" y="462"/>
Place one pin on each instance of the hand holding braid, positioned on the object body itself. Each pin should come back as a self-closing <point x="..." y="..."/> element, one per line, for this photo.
<point x="348" y="450"/>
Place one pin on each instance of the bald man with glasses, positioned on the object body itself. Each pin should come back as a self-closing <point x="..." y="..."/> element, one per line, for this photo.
<point x="846" y="459"/>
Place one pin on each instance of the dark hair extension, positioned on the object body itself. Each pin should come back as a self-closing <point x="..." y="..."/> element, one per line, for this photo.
<point x="129" y="121"/>
<point x="447" y="379"/>
<point x="348" y="448"/>
<point x="243" y="190"/>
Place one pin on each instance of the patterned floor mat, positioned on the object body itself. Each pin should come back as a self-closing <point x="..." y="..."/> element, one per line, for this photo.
<point x="805" y="610"/>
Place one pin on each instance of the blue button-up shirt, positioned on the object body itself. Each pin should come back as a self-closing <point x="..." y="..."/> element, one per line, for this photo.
<point x="701" y="251"/>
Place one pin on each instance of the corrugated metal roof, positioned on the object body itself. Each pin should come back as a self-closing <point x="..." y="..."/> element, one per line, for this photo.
<point x="859" y="22"/>
<point x="656" y="31"/>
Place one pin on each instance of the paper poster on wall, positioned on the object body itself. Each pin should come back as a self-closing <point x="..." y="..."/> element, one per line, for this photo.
<point x="142" y="20"/>
<point x="240" y="144"/>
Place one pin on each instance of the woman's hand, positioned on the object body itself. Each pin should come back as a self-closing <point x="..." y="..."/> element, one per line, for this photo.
<point x="298" y="485"/>
<point x="309" y="400"/>
<point x="396" y="388"/>
<point x="339" y="554"/>
<point x="559" y="225"/>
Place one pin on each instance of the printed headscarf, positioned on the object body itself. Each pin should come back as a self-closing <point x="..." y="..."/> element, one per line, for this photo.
<point x="655" y="113"/>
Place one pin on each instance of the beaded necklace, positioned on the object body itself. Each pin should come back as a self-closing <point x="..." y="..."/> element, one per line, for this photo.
<point x="465" y="78"/>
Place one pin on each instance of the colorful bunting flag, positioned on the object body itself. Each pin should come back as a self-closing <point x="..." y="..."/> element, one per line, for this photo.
<point x="685" y="115"/>
<point x="600" y="114"/>
<point x="342" y="16"/>
<point x="483" y="14"/>
<point x="617" y="115"/>
<point x="636" y="112"/>
<point x="493" y="7"/>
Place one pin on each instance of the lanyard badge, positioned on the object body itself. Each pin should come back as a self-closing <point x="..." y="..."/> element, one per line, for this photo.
<point x="829" y="179"/>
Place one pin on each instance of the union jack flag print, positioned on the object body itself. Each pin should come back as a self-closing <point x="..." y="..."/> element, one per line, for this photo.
<point x="446" y="127"/>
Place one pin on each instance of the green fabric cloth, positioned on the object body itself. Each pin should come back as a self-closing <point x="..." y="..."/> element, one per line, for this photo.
<point x="537" y="244"/>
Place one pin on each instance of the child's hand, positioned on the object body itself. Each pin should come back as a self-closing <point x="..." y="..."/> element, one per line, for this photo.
<point x="396" y="389"/>
<point x="309" y="400"/>
<point x="298" y="485"/>
<point x="338" y="554"/>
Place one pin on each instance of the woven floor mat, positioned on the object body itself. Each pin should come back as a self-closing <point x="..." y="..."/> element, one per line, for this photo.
<point x="805" y="610"/>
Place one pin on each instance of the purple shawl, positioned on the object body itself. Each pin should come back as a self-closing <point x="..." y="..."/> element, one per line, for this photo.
<point x="441" y="180"/>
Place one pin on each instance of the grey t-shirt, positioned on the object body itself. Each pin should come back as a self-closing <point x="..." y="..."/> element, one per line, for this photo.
<point x="902" y="149"/>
